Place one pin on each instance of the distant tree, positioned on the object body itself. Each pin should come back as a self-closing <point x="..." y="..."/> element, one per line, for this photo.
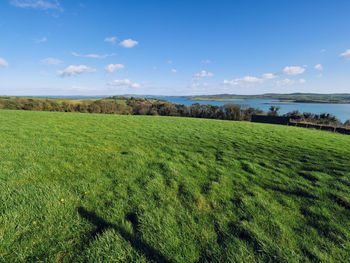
<point x="232" y="111"/>
<point x="273" y="111"/>
<point x="347" y="124"/>
<point x="294" y="115"/>
<point x="195" y="110"/>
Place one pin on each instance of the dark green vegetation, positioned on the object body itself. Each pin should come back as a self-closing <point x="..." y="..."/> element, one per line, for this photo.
<point x="294" y="97"/>
<point x="148" y="106"/>
<point x="131" y="106"/>
<point x="113" y="188"/>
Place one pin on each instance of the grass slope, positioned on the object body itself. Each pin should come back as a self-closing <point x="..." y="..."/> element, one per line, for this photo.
<point x="106" y="188"/>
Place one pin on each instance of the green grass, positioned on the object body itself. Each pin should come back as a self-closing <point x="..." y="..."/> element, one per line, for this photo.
<point x="166" y="189"/>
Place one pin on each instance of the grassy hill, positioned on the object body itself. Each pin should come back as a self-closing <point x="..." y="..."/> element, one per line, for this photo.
<point x="108" y="188"/>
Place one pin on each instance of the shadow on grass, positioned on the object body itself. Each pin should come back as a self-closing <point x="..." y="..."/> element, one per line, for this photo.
<point x="295" y="192"/>
<point x="102" y="225"/>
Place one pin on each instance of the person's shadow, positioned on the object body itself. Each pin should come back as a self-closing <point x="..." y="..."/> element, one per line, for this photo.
<point x="134" y="240"/>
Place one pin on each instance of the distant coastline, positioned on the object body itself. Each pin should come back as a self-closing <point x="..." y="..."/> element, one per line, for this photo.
<point x="282" y="98"/>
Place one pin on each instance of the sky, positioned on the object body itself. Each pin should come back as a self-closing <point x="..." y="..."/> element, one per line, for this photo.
<point x="182" y="47"/>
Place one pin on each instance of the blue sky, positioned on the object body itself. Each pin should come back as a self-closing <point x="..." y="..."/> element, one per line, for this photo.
<point x="65" y="47"/>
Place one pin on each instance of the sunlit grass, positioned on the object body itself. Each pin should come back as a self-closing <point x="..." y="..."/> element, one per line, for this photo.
<point x="108" y="188"/>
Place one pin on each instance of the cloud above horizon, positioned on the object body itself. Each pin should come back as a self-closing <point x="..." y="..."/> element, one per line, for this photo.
<point x="318" y="67"/>
<point x="293" y="70"/>
<point x="204" y="74"/>
<point x="52" y="61"/>
<point x="128" y="43"/>
<point x="269" y="76"/>
<point x="38" y="4"/>
<point x="111" y="40"/>
<point x="244" y="80"/>
<point x="93" y="55"/>
<point x="73" y="70"/>
<point x="249" y="80"/>
<point x="3" y="63"/>
<point x="41" y="40"/>
<point x="287" y="82"/>
<point x="124" y="83"/>
<point x="114" y="67"/>
<point x="345" y="55"/>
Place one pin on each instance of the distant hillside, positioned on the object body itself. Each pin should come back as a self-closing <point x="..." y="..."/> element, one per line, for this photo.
<point x="292" y="96"/>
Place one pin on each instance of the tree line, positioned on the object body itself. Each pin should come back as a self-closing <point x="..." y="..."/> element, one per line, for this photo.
<point x="143" y="106"/>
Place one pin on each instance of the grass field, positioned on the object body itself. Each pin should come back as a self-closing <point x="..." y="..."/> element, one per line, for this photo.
<point x="108" y="188"/>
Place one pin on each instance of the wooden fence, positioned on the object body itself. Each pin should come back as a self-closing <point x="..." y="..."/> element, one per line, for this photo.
<point x="288" y="121"/>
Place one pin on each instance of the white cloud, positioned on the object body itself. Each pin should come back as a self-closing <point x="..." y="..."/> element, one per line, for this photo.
<point x="268" y="76"/>
<point x="111" y="40"/>
<point x="3" y="62"/>
<point x="174" y="70"/>
<point x="75" y="70"/>
<point x="345" y="55"/>
<point x="204" y="74"/>
<point x="206" y="61"/>
<point x="195" y="85"/>
<point x="124" y="82"/>
<point x="93" y="55"/>
<point x="244" y="80"/>
<point x="41" y="40"/>
<point x="251" y="79"/>
<point x="52" y="61"/>
<point x="287" y="82"/>
<point x="323" y="50"/>
<point x="114" y="67"/>
<point x="293" y="70"/>
<point x="128" y="43"/>
<point x="284" y="82"/>
<point x="38" y="4"/>
<point x="318" y="67"/>
<point x="170" y="62"/>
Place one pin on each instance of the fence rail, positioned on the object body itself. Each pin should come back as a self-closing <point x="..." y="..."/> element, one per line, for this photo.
<point x="287" y="121"/>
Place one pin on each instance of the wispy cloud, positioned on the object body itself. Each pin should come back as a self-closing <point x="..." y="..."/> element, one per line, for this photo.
<point x="111" y="40"/>
<point x="269" y="76"/>
<point x="124" y="82"/>
<point x="41" y="40"/>
<point x="52" y="61"/>
<point x="114" y="67"/>
<point x="318" y="67"/>
<point x="242" y="81"/>
<point x="293" y="70"/>
<point x="92" y="55"/>
<point x="3" y="63"/>
<point x="128" y="43"/>
<point x="174" y="70"/>
<point x="206" y="61"/>
<point x="345" y="55"/>
<point x="38" y="4"/>
<point x="288" y="82"/>
<point x="75" y="70"/>
<point x="204" y="74"/>
<point x="250" y="80"/>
